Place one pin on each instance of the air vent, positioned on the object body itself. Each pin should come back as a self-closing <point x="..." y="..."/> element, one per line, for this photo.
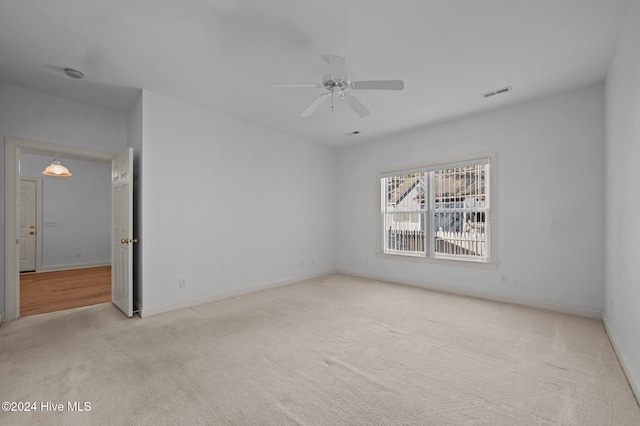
<point x="496" y="92"/>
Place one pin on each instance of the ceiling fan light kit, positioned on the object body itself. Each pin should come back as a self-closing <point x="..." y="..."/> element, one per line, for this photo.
<point x="337" y="83"/>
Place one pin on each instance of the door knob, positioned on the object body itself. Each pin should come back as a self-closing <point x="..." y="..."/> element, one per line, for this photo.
<point x="31" y="232"/>
<point x="135" y="240"/>
<point x="124" y="241"/>
<point x="32" y="226"/>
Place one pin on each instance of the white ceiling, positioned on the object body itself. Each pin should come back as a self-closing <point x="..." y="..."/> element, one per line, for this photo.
<point x="224" y="54"/>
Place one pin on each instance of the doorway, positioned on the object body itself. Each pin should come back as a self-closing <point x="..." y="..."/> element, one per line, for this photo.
<point x="13" y="149"/>
<point x="74" y="268"/>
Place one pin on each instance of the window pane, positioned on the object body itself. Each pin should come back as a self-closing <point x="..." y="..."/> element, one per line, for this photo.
<point x="461" y="212"/>
<point x="404" y="232"/>
<point x="405" y="193"/>
<point x="404" y="214"/>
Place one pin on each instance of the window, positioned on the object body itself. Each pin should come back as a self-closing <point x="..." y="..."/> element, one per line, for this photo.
<point x="440" y="211"/>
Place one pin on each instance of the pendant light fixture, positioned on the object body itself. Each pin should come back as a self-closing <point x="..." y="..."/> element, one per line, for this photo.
<point x="56" y="169"/>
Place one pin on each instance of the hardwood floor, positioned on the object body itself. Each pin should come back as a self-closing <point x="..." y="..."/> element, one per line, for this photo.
<point x="43" y="292"/>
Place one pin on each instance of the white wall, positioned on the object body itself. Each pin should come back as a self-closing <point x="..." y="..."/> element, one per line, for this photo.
<point x="39" y="117"/>
<point x="622" y="289"/>
<point x="550" y="194"/>
<point x="81" y="204"/>
<point x="229" y="205"/>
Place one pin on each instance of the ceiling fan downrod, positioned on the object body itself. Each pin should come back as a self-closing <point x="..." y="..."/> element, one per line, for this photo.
<point x="332" y="99"/>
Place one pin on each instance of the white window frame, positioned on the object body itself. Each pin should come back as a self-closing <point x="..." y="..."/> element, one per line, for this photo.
<point x="490" y="261"/>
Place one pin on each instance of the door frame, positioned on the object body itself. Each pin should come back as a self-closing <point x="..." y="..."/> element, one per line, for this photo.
<point x="13" y="148"/>
<point x="39" y="223"/>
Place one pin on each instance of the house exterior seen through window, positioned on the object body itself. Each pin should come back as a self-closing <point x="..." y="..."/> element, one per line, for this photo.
<point x="438" y="212"/>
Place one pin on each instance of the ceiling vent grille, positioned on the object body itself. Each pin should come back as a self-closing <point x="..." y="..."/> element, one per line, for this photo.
<point x="496" y="92"/>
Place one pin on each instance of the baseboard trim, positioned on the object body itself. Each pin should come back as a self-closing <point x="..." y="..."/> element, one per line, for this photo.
<point x="632" y="377"/>
<point x="532" y="303"/>
<point x="55" y="268"/>
<point x="168" y="307"/>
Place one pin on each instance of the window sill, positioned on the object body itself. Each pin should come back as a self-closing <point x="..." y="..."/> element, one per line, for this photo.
<point x="438" y="260"/>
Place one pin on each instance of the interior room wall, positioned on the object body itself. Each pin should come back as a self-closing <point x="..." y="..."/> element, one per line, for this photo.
<point x="40" y="117"/>
<point x="550" y="195"/>
<point x="228" y="205"/>
<point x="81" y="207"/>
<point x="622" y="224"/>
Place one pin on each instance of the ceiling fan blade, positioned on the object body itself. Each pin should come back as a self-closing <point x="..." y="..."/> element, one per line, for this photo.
<point x="356" y="105"/>
<point x="337" y="65"/>
<point x="294" y="85"/>
<point x="314" y="105"/>
<point x="378" y="85"/>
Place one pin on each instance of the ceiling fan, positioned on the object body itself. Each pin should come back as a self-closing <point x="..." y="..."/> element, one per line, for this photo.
<point x="337" y="83"/>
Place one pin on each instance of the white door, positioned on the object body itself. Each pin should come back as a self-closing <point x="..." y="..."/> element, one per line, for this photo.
<point x="27" y="225"/>
<point x="122" y="231"/>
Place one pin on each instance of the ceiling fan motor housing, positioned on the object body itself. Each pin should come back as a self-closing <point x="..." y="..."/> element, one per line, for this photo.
<point x="333" y="84"/>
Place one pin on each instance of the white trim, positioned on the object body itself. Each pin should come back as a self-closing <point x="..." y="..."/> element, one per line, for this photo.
<point x="67" y="151"/>
<point x="54" y="268"/>
<point x="11" y="242"/>
<point x="473" y="263"/>
<point x="433" y="166"/>
<point x="632" y="377"/>
<point x="479" y="294"/>
<point x="13" y="148"/>
<point x="491" y="156"/>
<point x="168" y="307"/>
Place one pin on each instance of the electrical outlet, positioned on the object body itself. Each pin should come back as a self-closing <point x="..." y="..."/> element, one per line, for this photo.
<point x="313" y="262"/>
<point x="78" y="254"/>
<point x="302" y="263"/>
<point x="182" y="282"/>
<point x="504" y="279"/>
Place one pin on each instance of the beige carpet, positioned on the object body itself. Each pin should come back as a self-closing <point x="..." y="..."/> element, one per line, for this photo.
<point x="331" y="351"/>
